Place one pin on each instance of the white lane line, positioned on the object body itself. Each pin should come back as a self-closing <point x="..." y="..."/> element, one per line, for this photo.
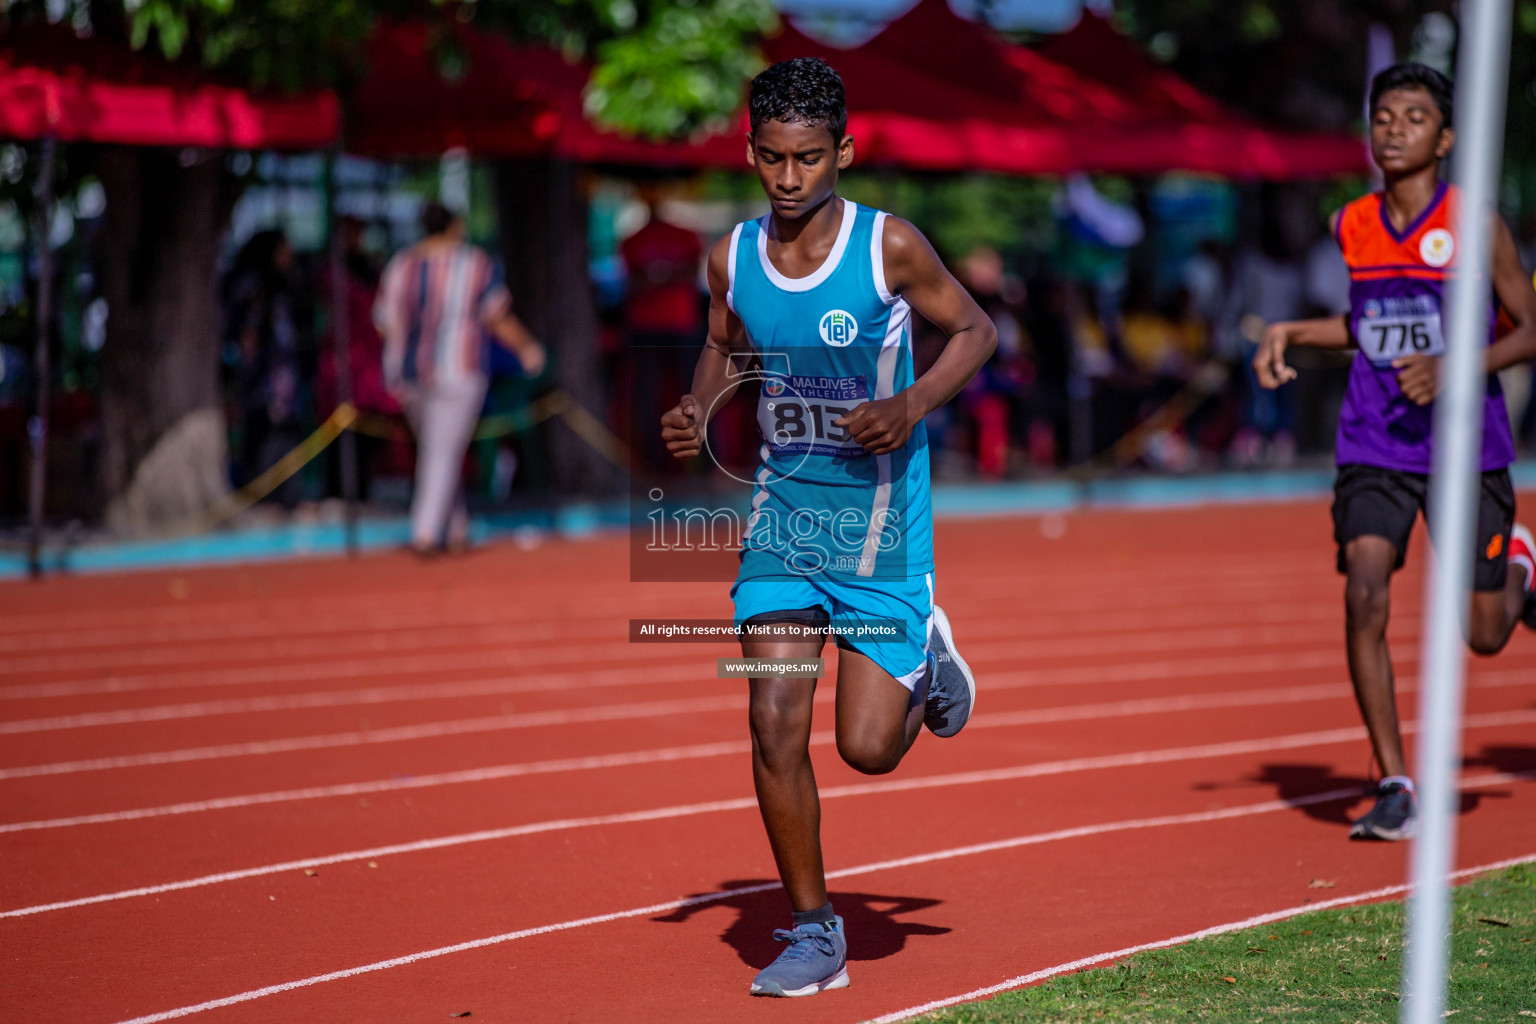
<point x="325" y="621"/>
<point x="994" y="681"/>
<point x="595" y="601"/>
<point x="350" y="698"/>
<point x="1081" y="712"/>
<point x="961" y="851"/>
<point x="683" y="664"/>
<point x="1036" y="770"/>
<point x="382" y="645"/>
<point x="683" y="667"/>
<point x="378" y="642"/>
<point x="404" y="662"/>
<point x="404" y="641"/>
<point x="1220" y="929"/>
<point x="426" y="730"/>
<point x="487" y="774"/>
<point x="568" y="627"/>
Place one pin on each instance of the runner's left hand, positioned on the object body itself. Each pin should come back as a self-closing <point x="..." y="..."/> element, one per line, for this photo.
<point x="1419" y="377"/>
<point x="881" y="426"/>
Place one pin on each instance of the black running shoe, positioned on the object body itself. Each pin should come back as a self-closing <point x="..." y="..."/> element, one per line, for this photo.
<point x="1395" y="816"/>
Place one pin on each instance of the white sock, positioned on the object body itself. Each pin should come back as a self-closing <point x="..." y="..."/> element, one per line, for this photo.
<point x="1401" y="780"/>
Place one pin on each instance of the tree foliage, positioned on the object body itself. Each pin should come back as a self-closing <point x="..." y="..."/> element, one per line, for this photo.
<point x="661" y="67"/>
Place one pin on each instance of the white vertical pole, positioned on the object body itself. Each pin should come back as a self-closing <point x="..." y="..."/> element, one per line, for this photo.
<point x="1481" y="65"/>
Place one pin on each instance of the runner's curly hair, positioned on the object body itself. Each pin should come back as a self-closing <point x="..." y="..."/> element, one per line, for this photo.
<point x="805" y="90"/>
<point x="1408" y="75"/>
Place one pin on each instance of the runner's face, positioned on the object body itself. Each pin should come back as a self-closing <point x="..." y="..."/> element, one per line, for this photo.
<point x="1405" y="132"/>
<point x="797" y="165"/>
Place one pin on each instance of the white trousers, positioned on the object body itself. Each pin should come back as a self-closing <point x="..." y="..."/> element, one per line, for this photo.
<point x="443" y="416"/>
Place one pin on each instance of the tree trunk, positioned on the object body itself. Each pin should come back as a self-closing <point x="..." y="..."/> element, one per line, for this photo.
<point x="543" y="218"/>
<point x="163" y="456"/>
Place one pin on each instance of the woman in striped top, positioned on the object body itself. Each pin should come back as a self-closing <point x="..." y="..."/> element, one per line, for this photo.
<point x="441" y="303"/>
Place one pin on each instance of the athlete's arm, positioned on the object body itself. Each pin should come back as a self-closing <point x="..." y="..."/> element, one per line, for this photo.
<point x="1419" y="376"/>
<point x="915" y="272"/>
<point x="1269" y="363"/>
<point x="682" y="426"/>
<point x="1512" y="284"/>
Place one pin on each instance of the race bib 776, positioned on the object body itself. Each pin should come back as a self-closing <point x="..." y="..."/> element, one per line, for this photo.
<point x="1400" y="327"/>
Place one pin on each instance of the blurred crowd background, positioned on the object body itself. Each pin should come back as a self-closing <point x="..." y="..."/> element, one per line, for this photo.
<point x="1127" y="303"/>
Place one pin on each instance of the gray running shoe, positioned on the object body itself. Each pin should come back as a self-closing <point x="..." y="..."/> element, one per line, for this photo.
<point x="1395" y="816"/>
<point x="815" y="960"/>
<point x="951" y="686"/>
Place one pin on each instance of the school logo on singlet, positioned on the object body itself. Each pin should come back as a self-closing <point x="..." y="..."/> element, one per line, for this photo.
<point x="839" y="328"/>
<point x="1437" y="248"/>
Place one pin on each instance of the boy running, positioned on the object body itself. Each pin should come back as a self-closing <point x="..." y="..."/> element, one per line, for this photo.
<point x="821" y="291"/>
<point x="1400" y="245"/>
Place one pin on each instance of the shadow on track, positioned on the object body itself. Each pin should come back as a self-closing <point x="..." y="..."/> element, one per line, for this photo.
<point x="874" y="931"/>
<point x="1294" y="781"/>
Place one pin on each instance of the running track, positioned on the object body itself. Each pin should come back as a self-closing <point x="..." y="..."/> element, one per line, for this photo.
<point x="385" y="791"/>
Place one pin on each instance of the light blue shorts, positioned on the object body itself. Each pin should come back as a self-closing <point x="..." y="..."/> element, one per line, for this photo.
<point x="861" y="611"/>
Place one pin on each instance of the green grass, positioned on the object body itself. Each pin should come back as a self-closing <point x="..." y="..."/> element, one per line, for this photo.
<point x="1338" y="965"/>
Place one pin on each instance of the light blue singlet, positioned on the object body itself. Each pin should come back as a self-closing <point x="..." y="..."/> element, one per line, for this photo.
<point x="829" y="519"/>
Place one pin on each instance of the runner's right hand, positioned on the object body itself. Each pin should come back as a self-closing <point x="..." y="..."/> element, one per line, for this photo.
<point x="1269" y="362"/>
<point x="680" y="428"/>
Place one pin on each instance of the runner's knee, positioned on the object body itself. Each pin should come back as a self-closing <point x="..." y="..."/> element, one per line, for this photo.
<point x="1367" y="603"/>
<point x="868" y="752"/>
<point x="779" y="720"/>
<point x="1485" y="639"/>
<point x="1487" y="631"/>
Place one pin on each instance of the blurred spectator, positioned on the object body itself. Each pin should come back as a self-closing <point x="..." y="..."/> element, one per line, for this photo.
<point x="1266" y="286"/>
<point x="662" y="320"/>
<point x="1205" y="279"/>
<point x="1325" y="290"/>
<point x="1048" y="327"/>
<point x="995" y="398"/>
<point x="440" y="304"/>
<point x="262" y="339"/>
<point x="365" y="354"/>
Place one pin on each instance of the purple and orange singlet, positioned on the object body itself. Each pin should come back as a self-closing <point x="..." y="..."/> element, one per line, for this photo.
<point x="1396" y="296"/>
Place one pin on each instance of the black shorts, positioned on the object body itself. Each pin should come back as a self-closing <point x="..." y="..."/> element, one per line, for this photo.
<point x="1369" y="501"/>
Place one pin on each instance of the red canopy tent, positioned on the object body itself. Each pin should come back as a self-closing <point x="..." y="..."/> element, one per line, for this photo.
<point x="931" y="92"/>
<point x="1184" y="123"/>
<point x="515" y="101"/>
<point x="1096" y="50"/>
<point x="1122" y="111"/>
<point x="55" y="84"/>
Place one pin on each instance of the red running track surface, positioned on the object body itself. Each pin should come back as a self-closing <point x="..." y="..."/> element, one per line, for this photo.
<point x="254" y="783"/>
